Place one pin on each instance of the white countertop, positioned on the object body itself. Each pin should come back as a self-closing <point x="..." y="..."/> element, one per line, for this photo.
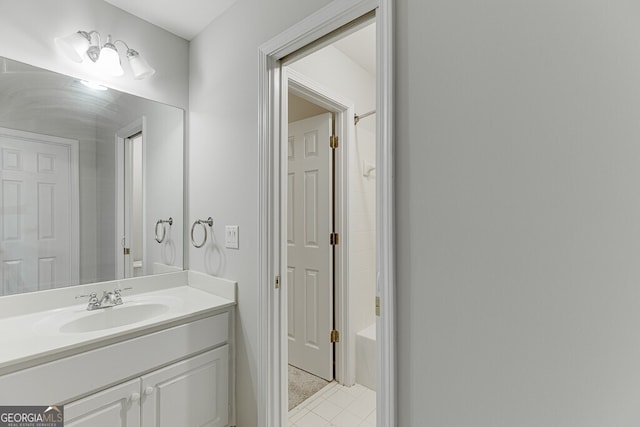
<point x="37" y="336"/>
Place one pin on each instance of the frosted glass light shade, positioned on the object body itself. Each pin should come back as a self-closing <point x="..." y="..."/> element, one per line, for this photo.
<point x="74" y="45"/>
<point x="139" y="66"/>
<point x="109" y="60"/>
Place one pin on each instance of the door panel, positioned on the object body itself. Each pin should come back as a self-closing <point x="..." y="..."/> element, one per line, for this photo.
<point x="117" y="406"/>
<point x="309" y="278"/>
<point x="191" y="393"/>
<point x="35" y="246"/>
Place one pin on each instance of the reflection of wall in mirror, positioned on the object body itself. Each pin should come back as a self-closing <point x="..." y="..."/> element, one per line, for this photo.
<point x="164" y="186"/>
<point x="162" y="182"/>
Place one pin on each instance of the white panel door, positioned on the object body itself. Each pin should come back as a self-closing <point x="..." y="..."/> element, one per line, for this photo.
<point x="191" y="393"/>
<point x="36" y="231"/>
<point x="309" y="278"/>
<point x="117" y="406"/>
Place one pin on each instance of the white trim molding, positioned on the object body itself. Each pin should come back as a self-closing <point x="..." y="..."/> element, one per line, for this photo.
<point x="272" y="343"/>
<point x="385" y="220"/>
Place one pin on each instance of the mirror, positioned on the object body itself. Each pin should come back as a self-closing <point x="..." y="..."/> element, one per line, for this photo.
<point x="91" y="182"/>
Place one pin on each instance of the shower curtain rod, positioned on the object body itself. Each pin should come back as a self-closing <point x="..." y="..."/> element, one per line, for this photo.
<point x="357" y="118"/>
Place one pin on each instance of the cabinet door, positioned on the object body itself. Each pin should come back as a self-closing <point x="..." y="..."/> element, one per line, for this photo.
<point x="191" y="393"/>
<point x="118" y="406"/>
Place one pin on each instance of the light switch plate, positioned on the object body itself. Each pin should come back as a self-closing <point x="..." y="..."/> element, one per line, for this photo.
<point x="231" y="238"/>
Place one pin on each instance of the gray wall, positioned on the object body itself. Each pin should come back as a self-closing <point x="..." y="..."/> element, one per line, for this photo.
<point x="223" y="160"/>
<point x="518" y="212"/>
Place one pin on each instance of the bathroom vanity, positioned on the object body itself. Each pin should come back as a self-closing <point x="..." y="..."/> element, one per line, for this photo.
<point x="165" y="356"/>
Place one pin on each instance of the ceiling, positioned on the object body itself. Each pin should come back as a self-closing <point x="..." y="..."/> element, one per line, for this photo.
<point x="300" y="109"/>
<point x="185" y="18"/>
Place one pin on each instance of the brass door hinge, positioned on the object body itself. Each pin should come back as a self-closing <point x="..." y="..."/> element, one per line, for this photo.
<point x="333" y="239"/>
<point x="127" y="251"/>
<point x="333" y="141"/>
<point x="335" y="336"/>
<point x="277" y="282"/>
<point x="378" y="306"/>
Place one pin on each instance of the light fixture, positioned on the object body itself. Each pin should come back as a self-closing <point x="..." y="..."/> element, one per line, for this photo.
<point x="80" y="45"/>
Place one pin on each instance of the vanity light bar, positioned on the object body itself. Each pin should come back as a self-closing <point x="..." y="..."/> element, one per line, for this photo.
<point x="80" y="45"/>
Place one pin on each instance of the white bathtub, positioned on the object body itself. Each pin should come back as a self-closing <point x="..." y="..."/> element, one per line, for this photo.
<point x="366" y="357"/>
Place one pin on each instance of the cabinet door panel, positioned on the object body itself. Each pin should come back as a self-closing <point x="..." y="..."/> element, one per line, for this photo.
<point x="109" y="408"/>
<point x="192" y="393"/>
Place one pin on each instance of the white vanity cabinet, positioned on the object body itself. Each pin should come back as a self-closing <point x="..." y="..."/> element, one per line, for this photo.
<point x="164" y="357"/>
<point x="190" y="393"/>
<point x="181" y="374"/>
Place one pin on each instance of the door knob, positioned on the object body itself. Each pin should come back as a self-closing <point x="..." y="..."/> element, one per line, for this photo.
<point x="148" y="391"/>
<point x="135" y="397"/>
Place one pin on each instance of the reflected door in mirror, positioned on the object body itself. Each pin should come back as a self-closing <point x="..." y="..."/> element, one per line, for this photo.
<point x="39" y="184"/>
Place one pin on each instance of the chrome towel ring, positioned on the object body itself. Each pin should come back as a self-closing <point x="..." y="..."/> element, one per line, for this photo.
<point x="202" y="222"/>
<point x="161" y="222"/>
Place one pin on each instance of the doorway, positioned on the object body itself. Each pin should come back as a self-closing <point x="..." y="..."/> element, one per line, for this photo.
<point x="312" y="34"/>
<point x="130" y="233"/>
<point x="133" y="216"/>
<point x="315" y="94"/>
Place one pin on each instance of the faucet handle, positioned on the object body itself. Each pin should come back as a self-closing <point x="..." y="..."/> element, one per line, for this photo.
<point x="117" y="293"/>
<point x="93" y="297"/>
<point x="93" y="300"/>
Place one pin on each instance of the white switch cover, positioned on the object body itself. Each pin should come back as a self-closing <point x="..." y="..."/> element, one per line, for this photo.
<point x="231" y="239"/>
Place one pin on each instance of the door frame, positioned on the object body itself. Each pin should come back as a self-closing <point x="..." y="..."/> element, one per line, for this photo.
<point x="272" y="342"/>
<point x="137" y="126"/>
<point x="306" y="88"/>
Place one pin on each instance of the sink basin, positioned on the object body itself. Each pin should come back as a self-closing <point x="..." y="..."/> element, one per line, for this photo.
<point x="113" y="317"/>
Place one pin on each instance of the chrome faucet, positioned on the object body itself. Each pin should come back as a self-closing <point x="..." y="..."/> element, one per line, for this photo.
<point x="109" y="299"/>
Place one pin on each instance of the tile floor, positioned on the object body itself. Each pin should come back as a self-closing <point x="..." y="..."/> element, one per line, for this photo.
<point x="336" y="406"/>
